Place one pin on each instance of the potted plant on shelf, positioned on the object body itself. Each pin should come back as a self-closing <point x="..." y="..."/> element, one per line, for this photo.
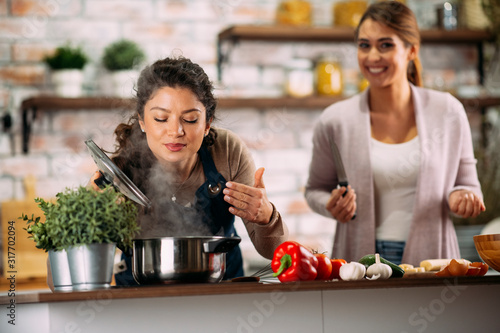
<point x="67" y="64"/>
<point x="82" y="228"/>
<point x="121" y="59"/>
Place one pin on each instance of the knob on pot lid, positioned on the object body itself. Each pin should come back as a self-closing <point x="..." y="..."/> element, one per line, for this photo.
<point x="113" y="175"/>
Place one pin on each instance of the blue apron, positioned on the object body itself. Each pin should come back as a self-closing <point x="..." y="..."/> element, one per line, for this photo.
<point x="215" y="211"/>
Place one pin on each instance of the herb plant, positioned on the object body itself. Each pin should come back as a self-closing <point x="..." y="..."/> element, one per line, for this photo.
<point x="84" y="216"/>
<point x="38" y="232"/>
<point x="67" y="57"/>
<point x="121" y="55"/>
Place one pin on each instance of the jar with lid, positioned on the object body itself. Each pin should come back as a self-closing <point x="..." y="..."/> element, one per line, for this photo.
<point x="294" y="12"/>
<point x="348" y="13"/>
<point x="299" y="78"/>
<point x="329" y="81"/>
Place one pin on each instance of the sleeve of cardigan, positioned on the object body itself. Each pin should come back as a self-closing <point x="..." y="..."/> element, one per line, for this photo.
<point x="322" y="175"/>
<point x="467" y="173"/>
<point x="265" y="237"/>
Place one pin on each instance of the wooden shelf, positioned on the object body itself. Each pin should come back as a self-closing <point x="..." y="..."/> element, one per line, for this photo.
<point x="313" y="102"/>
<point x="338" y="34"/>
<point x="54" y="103"/>
<point x="31" y="106"/>
<point x="49" y="102"/>
<point x="317" y="102"/>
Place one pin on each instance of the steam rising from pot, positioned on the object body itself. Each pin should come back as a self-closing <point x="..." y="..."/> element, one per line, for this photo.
<point x="165" y="218"/>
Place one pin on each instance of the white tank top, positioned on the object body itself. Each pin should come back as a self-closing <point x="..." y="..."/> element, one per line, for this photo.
<point x="395" y="170"/>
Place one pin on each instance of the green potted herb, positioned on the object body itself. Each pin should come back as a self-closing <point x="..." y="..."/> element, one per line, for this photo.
<point x="84" y="225"/>
<point x="67" y="63"/>
<point x="59" y="276"/>
<point x="121" y="59"/>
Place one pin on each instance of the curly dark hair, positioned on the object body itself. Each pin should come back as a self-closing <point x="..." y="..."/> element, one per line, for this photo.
<point x="132" y="151"/>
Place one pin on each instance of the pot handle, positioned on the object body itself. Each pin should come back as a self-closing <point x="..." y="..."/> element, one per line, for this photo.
<point x="220" y="245"/>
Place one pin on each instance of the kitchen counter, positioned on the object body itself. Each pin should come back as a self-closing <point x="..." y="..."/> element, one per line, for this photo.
<point x="412" y="304"/>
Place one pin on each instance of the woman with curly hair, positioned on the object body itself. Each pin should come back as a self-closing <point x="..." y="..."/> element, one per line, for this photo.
<point x="198" y="177"/>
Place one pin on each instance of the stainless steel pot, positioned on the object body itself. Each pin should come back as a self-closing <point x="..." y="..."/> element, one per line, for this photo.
<point x="181" y="259"/>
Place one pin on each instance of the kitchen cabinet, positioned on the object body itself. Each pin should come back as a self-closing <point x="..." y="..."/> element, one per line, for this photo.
<point x="464" y="304"/>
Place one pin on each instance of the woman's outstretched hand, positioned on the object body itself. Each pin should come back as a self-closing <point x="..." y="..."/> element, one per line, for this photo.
<point x="342" y="207"/>
<point x="466" y="204"/>
<point x="249" y="202"/>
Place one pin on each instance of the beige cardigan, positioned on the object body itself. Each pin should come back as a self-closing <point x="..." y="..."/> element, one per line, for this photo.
<point x="447" y="164"/>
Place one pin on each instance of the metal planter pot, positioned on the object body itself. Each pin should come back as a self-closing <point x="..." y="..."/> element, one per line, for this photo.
<point x="168" y="260"/>
<point x="91" y="266"/>
<point x="61" y="277"/>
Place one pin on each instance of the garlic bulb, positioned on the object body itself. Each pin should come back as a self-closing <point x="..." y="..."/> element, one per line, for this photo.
<point x="352" y="271"/>
<point x="378" y="270"/>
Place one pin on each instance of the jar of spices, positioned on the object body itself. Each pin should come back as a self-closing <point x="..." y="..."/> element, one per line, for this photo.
<point x="299" y="78"/>
<point x="329" y="80"/>
<point x="294" y="12"/>
<point x="348" y="13"/>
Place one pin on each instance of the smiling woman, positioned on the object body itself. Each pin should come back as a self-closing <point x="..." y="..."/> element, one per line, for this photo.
<point x="408" y="150"/>
<point x="198" y="177"/>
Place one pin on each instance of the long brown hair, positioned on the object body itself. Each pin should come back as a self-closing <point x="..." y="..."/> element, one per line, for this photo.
<point x="402" y="20"/>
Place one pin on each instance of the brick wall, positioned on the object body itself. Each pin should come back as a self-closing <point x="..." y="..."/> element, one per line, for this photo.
<point x="279" y="139"/>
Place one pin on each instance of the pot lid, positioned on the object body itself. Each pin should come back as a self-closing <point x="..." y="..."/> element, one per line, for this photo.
<point x="113" y="175"/>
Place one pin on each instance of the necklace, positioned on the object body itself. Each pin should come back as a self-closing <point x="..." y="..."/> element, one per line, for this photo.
<point x="174" y="198"/>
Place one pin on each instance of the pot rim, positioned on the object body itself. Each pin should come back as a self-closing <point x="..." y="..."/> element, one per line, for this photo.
<point x="184" y="237"/>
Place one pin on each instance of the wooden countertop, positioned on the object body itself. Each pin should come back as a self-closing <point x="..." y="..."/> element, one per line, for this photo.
<point x="173" y="290"/>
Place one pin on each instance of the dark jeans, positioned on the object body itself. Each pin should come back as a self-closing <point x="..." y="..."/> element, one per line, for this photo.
<point x="390" y="250"/>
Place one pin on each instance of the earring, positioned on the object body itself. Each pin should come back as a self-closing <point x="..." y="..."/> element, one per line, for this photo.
<point x="142" y="130"/>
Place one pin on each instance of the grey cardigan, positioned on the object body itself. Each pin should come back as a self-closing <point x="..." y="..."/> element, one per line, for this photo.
<point x="447" y="164"/>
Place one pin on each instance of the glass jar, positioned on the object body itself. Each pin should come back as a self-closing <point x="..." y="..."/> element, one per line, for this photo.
<point x="348" y="13"/>
<point x="294" y="12"/>
<point x="329" y="81"/>
<point x="362" y="83"/>
<point x="299" y="78"/>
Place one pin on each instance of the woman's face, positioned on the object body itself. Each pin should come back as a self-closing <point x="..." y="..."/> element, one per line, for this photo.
<point x="382" y="56"/>
<point x="175" y="125"/>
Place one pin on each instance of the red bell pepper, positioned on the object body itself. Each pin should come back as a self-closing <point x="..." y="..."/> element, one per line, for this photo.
<point x="293" y="262"/>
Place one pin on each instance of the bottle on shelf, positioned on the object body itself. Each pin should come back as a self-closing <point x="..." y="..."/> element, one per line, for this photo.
<point x="299" y="78"/>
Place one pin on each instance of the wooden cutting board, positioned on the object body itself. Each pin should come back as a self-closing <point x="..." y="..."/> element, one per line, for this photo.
<point x="420" y="275"/>
<point x="29" y="262"/>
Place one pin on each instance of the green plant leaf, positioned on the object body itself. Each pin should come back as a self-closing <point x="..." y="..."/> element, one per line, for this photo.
<point x="121" y="55"/>
<point x="84" y="216"/>
<point x="67" y="57"/>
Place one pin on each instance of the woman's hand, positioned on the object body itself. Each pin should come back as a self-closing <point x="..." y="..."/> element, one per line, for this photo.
<point x="249" y="202"/>
<point x="342" y="207"/>
<point x="466" y="204"/>
<point x="92" y="183"/>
